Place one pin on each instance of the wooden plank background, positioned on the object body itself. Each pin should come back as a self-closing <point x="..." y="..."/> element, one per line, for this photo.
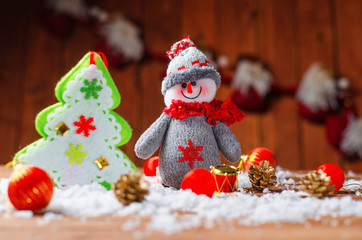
<point x="288" y="34"/>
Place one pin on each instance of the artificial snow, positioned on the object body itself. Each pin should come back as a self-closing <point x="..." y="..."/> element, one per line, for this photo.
<point x="350" y="174"/>
<point x="352" y="185"/>
<point x="171" y="211"/>
<point x="243" y="180"/>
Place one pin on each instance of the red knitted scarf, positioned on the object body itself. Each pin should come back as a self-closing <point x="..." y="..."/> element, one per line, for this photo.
<point x="217" y="110"/>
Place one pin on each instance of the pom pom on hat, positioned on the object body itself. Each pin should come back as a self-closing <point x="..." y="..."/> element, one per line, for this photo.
<point x="187" y="64"/>
<point x="179" y="46"/>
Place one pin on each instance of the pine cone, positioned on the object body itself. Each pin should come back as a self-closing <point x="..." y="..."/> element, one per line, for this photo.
<point x="316" y="184"/>
<point x="262" y="176"/>
<point x="130" y="188"/>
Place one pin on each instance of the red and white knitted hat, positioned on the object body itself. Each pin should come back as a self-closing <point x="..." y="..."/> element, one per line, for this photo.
<point x="187" y="64"/>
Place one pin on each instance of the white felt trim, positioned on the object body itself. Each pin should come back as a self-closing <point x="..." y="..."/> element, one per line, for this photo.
<point x="352" y="137"/>
<point x="124" y="37"/>
<point x="250" y="74"/>
<point x="75" y="8"/>
<point x="318" y="89"/>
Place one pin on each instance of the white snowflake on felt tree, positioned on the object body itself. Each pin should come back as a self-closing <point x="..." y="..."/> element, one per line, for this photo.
<point x="81" y="133"/>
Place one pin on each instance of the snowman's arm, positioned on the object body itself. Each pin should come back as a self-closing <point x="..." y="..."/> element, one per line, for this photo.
<point x="152" y="138"/>
<point x="227" y="142"/>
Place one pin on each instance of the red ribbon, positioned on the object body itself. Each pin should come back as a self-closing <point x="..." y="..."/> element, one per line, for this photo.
<point x="93" y="55"/>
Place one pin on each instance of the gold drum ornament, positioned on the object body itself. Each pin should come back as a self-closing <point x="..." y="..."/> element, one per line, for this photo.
<point x="226" y="178"/>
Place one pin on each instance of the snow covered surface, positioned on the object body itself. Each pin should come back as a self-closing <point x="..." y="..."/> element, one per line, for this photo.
<point x="164" y="206"/>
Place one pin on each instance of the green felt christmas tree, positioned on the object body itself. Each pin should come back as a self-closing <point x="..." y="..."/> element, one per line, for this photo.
<point x="81" y="133"/>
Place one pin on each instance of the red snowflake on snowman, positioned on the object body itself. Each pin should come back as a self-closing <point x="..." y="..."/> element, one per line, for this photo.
<point x="190" y="154"/>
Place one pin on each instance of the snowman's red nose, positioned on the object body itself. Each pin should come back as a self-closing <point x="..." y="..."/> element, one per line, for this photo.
<point x="189" y="88"/>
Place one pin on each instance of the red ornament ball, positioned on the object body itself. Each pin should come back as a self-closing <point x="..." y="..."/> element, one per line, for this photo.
<point x="150" y="166"/>
<point x="335" y="173"/>
<point x="200" y="181"/>
<point x="30" y="188"/>
<point x="260" y="154"/>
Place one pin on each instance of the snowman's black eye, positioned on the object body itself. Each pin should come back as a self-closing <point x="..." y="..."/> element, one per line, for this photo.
<point x="193" y="83"/>
<point x="184" y="85"/>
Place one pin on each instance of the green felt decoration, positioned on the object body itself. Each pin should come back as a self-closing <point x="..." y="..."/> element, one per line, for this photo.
<point x="76" y="153"/>
<point x="90" y="89"/>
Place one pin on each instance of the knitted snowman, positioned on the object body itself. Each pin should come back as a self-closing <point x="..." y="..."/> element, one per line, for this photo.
<point x="193" y="127"/>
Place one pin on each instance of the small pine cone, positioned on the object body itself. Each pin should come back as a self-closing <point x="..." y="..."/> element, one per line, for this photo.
<point x="317" y="184"/>
<point x="262" y="176"/>
<point x="130" y="188"/>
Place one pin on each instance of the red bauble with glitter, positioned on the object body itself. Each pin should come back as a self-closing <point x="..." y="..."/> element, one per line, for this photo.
<point x="30" y="188"/>
<point x="335" y="173"/>
<point x="200" y="181"/>
<point x="150" y="166"/>
<point x="257" y="155"/>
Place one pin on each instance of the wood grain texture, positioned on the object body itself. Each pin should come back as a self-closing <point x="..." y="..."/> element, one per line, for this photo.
<point x="314" y="45"/>
<point x="128" y="79"/>
<point x="12" y="77"/>
<point x="288" y="35"/>
<point x="43" y="69"/>
<point x="197" y="19"/>
<point x="348" y="19"/>
<point x="110" y="227"/>
<point x="237" y="34"/>
<point x="280" y="125"/>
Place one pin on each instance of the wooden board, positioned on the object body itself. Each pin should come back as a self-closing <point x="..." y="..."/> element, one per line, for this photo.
<point x="288" y="35"/>
<point x="237" y="34"/>
<point x="280" y="125"/>
<point x="12" y="77"/>
<point x="349" y="58"/>
<point x="111" y="228"/>
<point x="43" y="69"/>
<point x="314" y="44"/>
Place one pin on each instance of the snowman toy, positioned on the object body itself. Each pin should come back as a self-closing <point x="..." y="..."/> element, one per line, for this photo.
<point x="193" y="127"/>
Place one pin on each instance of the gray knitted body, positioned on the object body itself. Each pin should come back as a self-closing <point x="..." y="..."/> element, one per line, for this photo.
<point x="192" y="142"/>
<point x="173" y="133"/>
